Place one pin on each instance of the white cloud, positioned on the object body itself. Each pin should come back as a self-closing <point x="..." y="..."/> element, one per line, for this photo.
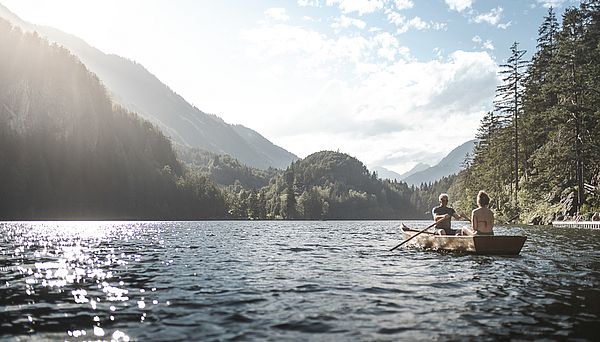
<point x="459" y="5"/>
<point x="312" y="52"/>
<point x="369" y="96"/>
<point x="404" y="24"/>
<point x="403" y="4"/>
<point x="418" y="23"/>
<point x="504" y="26"/>
<point x="551" y="3"/>
<point x="277" y="14"/>
<point x="307" y="51"/>
<point x="395" y="18"/>
<point x="346" y="22"/>
<point x="309" y="3"/>
<point x="487" y="44"/>
<point x="360" y="6"/>
<point x="439" y="26"/>
<point x="381" y="120"/>
<point x="389" y="47"/>
<point x="492" y="18"/>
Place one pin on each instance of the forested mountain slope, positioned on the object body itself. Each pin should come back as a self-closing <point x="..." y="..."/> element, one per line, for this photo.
<point x="138" y="90"/>
<point x="224" y="169"/>
<point x="538" y="154"/>
<point x="333" y="185"/>
<point x="68" y="152"/>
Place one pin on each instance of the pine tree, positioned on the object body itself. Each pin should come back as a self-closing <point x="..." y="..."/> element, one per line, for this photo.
<point x="576" y="75"/>
<point x="540" y="92"/>
<point x="289" y="209"/>
<point x="508" y="102"/>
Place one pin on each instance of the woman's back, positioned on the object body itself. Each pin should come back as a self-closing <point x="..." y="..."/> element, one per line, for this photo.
<point x="482" y="220"/>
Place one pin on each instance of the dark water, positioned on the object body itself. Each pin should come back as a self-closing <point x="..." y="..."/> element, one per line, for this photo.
<point x="333" y="281"/>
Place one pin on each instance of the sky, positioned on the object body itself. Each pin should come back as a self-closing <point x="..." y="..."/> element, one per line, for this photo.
<point x="390" y="82"/>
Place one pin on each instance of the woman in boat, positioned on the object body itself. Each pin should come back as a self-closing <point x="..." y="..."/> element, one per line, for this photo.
<point x="482" y="218"/>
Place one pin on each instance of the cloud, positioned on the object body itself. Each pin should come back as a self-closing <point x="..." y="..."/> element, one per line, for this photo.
<point x="346" y="22"/>
<point x="309" y="3"/>
<point x="277" y="14"/>
<point x="310" y="52"/>
<point x="403" y="4"/>
<point x="492" y="18"/>
<point x="360" y="6"/>
<point x="459" y="5"/>
<point x="504" y="26"/>
<point x="389" y="47"/>
<point x="364" y="94"/>
<point x="485" y="44"/>
<point x="551" y="3"/>
<point x="404" y="24"/>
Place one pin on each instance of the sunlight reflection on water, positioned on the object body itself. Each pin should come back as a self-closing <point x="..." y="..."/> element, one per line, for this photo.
<point x="287" y="280"/>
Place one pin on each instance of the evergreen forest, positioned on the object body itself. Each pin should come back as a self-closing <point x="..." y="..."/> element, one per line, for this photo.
<point x="67" y="152"/>
<point x="538" y="150"/>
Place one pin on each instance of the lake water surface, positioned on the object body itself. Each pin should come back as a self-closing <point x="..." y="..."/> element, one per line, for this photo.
<point x="305" y="281"/>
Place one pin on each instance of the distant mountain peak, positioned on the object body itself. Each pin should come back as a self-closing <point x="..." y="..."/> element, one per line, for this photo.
<point x="449" y="165"/>
<point x="417" y="168"/>
<point x="385" y="173"/>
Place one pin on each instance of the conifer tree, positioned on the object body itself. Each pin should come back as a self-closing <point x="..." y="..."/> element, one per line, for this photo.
<point x="576" y="73"/>
<point x="508" y="102"/>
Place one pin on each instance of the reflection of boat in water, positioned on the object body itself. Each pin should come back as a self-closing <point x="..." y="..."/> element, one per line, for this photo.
<point x="477" y="244"/>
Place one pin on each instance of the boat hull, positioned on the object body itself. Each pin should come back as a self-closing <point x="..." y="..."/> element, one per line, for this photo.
<point x="489" y="245"/>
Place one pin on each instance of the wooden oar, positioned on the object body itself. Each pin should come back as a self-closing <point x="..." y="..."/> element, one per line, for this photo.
<point x="414" y="236"/>
<point x="512" y="219"/>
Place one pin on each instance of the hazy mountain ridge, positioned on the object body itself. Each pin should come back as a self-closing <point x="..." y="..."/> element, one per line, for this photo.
<point x="417" y="168"/>
<point x="449" y="165"/>
<point x="138" y="90"/>
<point x="384" y="173"/>
<point x="68" y="151"/>
<point x="224" y="169"/>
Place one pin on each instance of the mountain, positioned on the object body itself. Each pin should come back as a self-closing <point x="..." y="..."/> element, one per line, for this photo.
<point x="138" y="90"/>
<point x="68" y="152"/>
<point x="274" y="155"/>
<point x="449" y="165"/>
<point x="224" y="169"/>
<point x="384" y="173"/>
<point x="417" y="168"/>
<point x="333" y="185"/>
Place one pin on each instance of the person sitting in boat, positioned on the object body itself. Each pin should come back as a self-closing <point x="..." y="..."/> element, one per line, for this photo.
<point x="482" y="218"/>
<point x="443" y="215"/>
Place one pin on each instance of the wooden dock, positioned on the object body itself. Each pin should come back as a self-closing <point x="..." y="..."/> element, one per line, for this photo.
<point x="577" y="224"/>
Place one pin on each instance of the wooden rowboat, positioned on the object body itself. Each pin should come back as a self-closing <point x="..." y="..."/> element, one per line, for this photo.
<point x="482" y="244"/>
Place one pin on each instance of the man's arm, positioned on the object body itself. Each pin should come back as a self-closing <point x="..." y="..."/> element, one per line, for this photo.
<point x="459" y="216"/>
<point x="438" y="218"/>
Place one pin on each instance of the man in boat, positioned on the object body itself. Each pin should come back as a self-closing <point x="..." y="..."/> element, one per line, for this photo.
<point x="482" y="218"/>
<point x="443" y="215"/>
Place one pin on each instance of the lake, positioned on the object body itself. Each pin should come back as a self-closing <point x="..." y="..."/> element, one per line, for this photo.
<point x="274" y="281"/>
